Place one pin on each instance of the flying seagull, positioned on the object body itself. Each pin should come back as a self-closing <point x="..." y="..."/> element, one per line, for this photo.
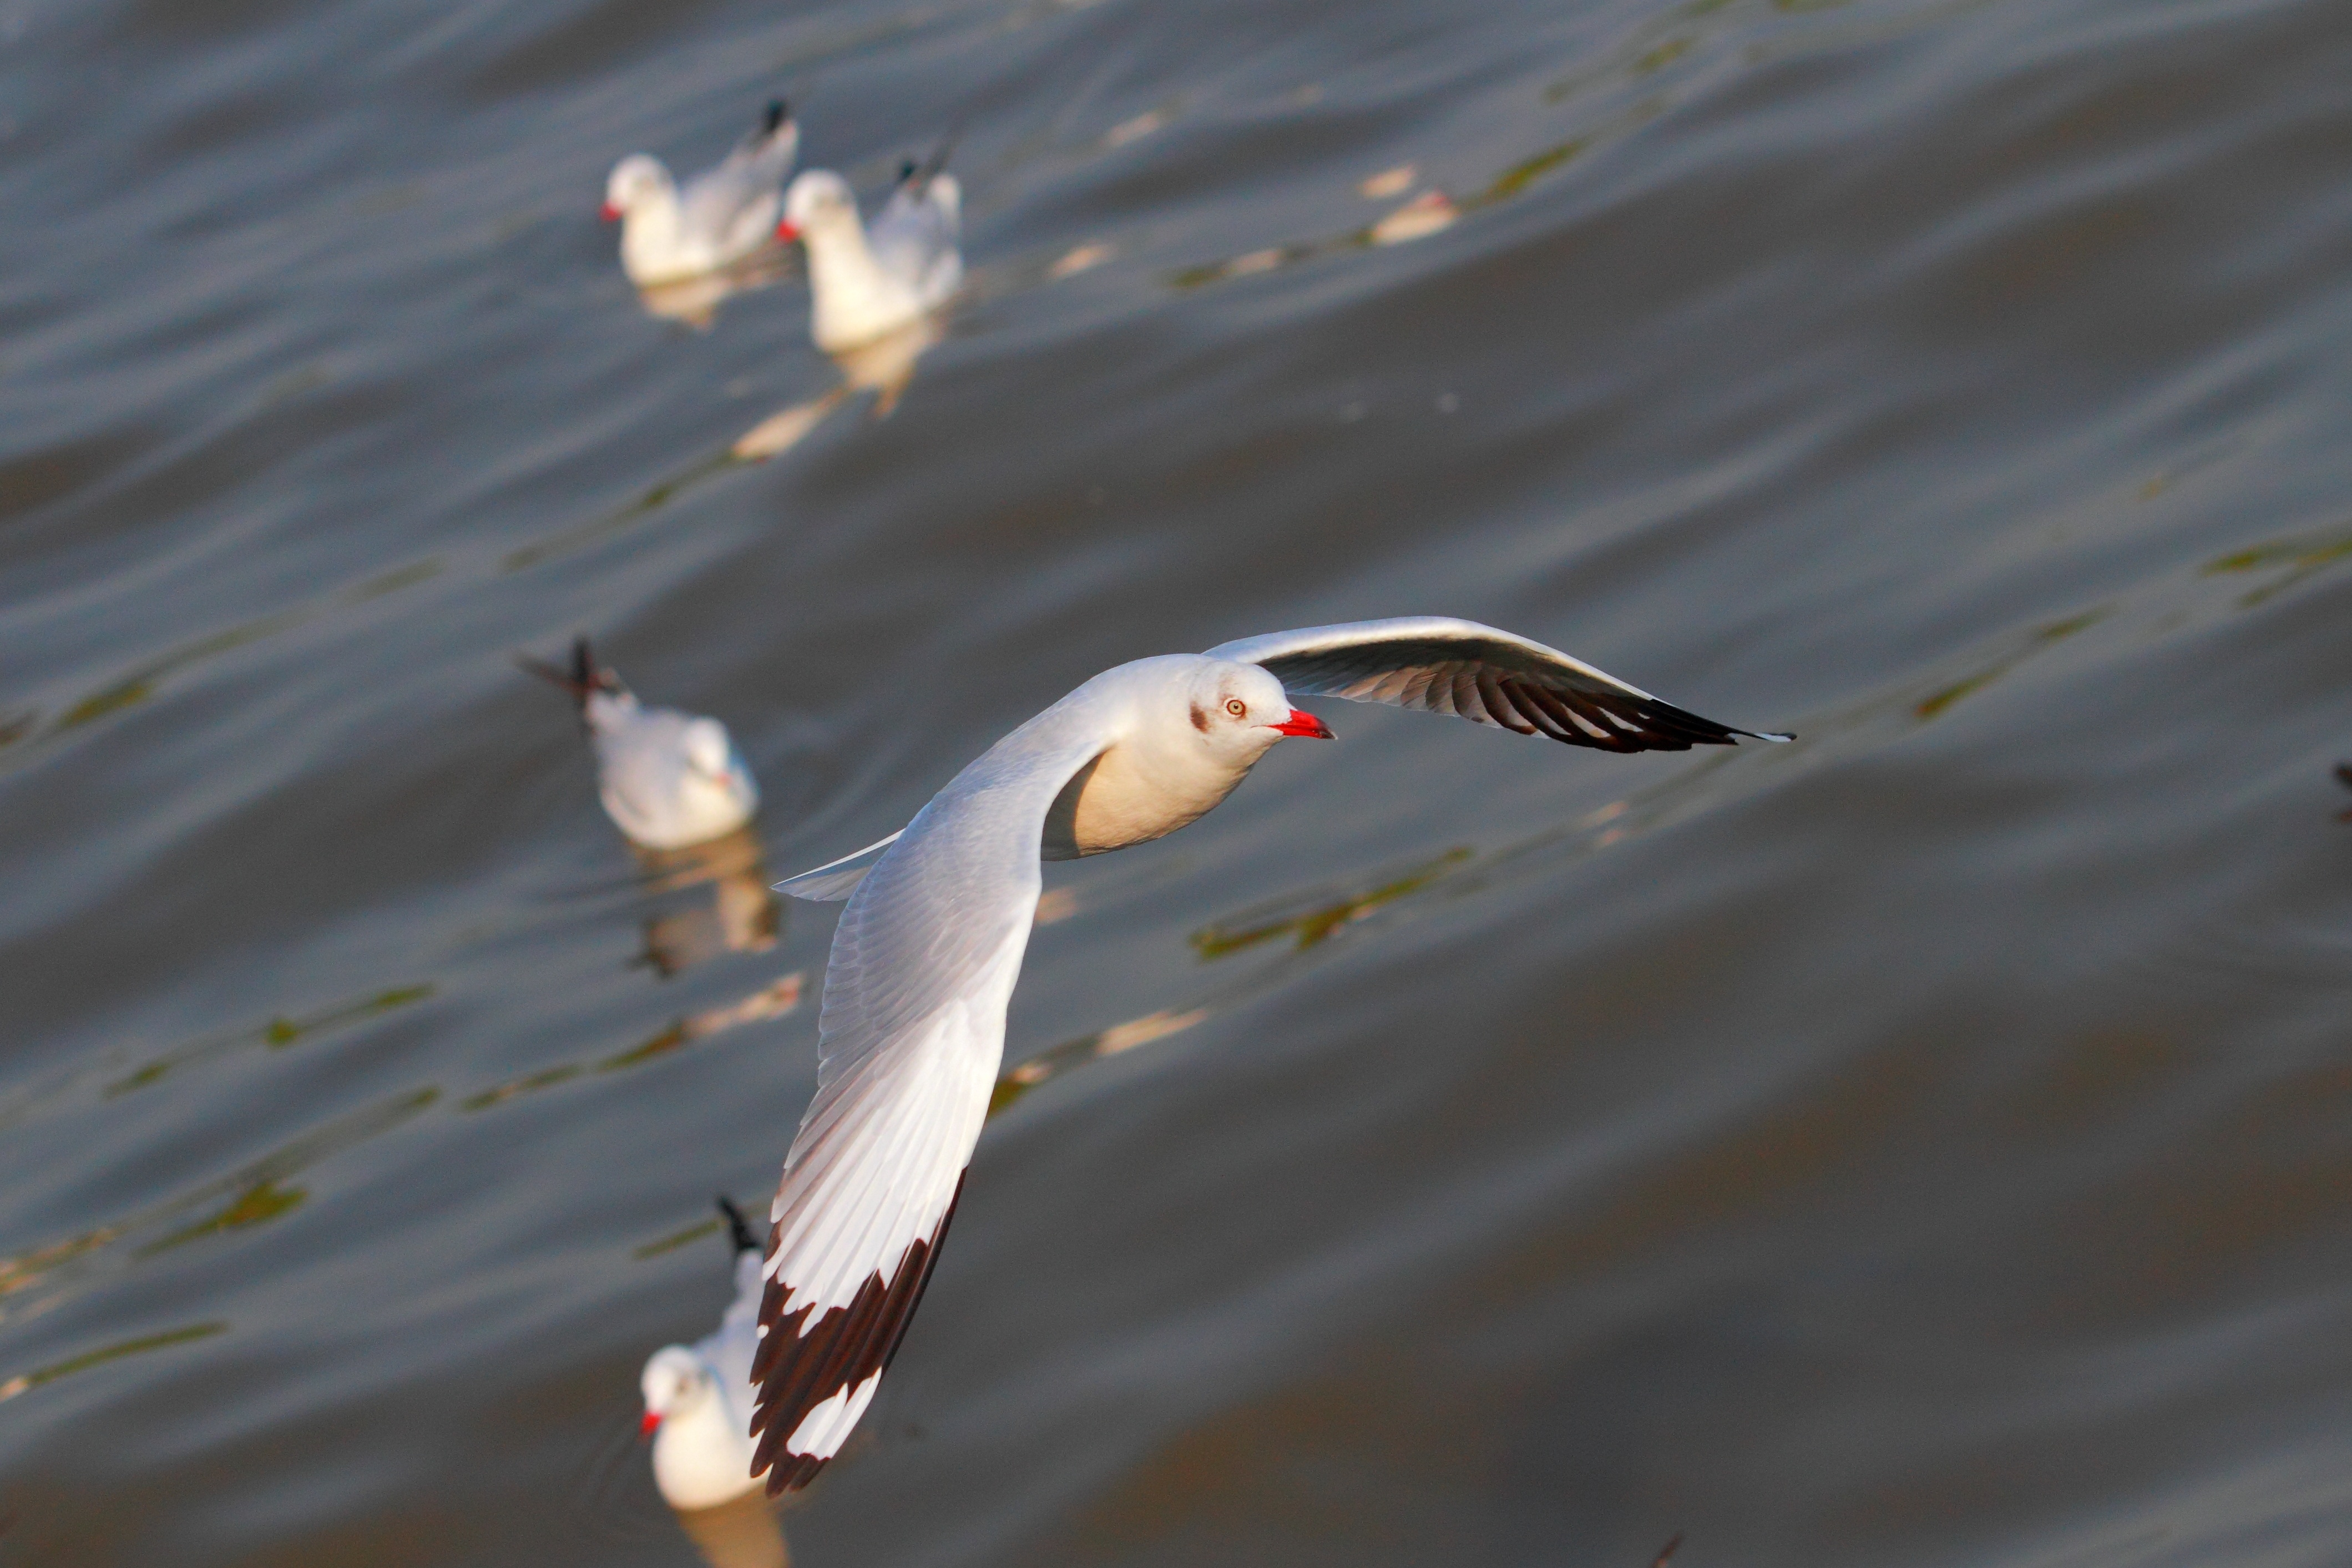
<point x="722" y="215"/>
<point x="864" y="283"/>
<point x="667" y="779"/>
<point x="927" y="952"/>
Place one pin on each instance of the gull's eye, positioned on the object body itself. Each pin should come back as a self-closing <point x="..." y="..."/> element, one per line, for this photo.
<point x="1236" y="706"/>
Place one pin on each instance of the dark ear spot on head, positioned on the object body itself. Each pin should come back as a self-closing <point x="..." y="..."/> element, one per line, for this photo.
<point x="1200" y="718"/>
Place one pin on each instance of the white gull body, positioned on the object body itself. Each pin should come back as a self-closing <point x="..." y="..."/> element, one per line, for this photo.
<point x="667" y="779"/>
<point x="699" y="1396"/>
<point x="722" y="215"/>
<point x="864" y="283"/>
<point x="939" y="915"/>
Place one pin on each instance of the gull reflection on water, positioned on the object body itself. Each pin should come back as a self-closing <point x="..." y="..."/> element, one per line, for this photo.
<point x="882" y="367"/>
<point x="743" y="915"/>
<point x="695" y="302"/>
<point x="744" y="1534"/>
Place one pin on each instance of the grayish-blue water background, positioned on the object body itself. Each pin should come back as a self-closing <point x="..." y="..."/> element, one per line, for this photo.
<point x="1931" y="1143"/>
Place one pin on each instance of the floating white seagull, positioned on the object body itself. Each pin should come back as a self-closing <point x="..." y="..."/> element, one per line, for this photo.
<point x="697" y="1396"/>
<point x="864" y="283"/>
<point x="927" y="952"/>
<point x="724" y="214"/>
<point x="669" y="779"/>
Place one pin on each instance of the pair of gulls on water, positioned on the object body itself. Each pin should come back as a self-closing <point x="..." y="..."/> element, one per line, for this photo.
<point x="930" y="942"/>
<point x="864" y="282"/>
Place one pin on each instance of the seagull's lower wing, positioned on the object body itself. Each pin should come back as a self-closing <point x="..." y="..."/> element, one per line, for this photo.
<point x="1439" y="664"/>
<point x="911" y="1034"/>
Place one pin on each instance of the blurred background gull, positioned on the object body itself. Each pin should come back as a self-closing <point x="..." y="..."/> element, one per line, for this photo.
<point x="878" y="296"/>
<point x="688" y="248"/>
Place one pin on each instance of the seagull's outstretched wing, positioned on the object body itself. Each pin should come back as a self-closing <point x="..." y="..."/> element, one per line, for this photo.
<point x="1440" y="665"/>
<point x="909" y="1040"/>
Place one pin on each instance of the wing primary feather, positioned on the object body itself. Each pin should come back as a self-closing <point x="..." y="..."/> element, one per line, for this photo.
<point x="879" y="1341"/>
<point x="884" y="1201"/>
<point x="924" y="961"/>
<point x="1462" y="690"/>
<point x="860" y="1347"/>
<point x="1500" y="709"/>
<point x="850" y="1207"/>
<point x="1591" y="710"/>
<point x="1576" y="725"/>
<point x="1444" y="666"/>
<point x="1527" y="699"/>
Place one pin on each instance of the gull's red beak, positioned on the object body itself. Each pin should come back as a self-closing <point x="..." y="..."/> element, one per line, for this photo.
<point x="646" y="1427"/>
<point x="1304" y="724"/>
<point x="609" y="213"/>
<point x="788" y="231"/>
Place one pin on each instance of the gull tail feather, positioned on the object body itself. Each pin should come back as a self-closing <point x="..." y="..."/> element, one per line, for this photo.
<point x="738" y="1228"/>
<point x="916" y="176"/>
<point x="580" y="680"/>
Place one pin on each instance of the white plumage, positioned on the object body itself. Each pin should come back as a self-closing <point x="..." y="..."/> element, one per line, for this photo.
<point x="930" y="943"/>
<point x="722" y="215"/>
<point x="667" y="779"/>
<point x="699" y="1396"/>
<point x="864" y="283"/>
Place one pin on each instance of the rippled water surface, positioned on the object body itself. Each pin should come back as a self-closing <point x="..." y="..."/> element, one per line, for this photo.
<point x="1928" y="1142"/>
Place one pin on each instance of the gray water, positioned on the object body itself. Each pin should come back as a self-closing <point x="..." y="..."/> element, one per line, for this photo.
<point x="1928" y="1142"/>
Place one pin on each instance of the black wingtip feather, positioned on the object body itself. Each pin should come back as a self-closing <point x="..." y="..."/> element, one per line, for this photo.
<point x="1489" y="681"/>
<point x="778" y="112"/>
<point x="797" y="1372"/>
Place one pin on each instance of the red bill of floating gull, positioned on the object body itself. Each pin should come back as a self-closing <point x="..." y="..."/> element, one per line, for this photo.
<point x="927" y="952"/>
